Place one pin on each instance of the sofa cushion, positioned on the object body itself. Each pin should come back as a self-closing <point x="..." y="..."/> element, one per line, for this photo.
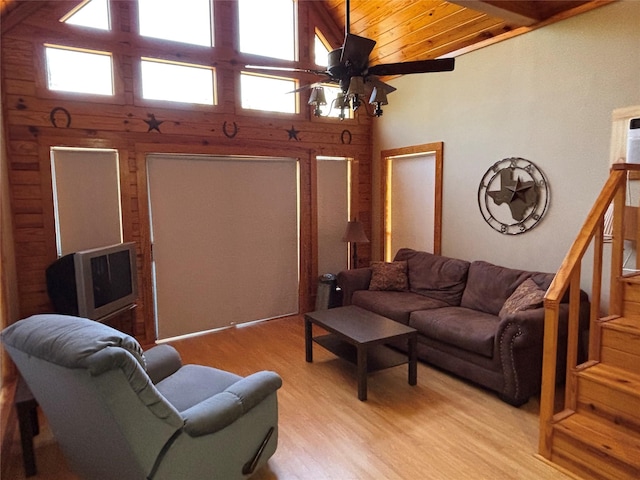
<point x="435" y="276"/>
<point x="389" y="276"/>
<point x="460" y="327"/>
<point x="489" y="286"/>
<point x="394" y="305"/>
<point x="526" y="297"/>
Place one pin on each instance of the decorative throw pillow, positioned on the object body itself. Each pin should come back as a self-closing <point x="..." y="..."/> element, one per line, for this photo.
<point x="389" y="276"/>
<point x="526" y="297"/>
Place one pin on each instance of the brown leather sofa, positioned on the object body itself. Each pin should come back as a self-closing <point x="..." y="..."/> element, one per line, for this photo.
<point x="480" y="321"/>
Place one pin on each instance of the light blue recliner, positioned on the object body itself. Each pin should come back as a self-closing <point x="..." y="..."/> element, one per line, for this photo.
<point x="119" y="413"/>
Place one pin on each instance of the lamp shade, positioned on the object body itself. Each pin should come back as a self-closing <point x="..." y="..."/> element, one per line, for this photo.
<point x="355" y="233"/>
<point x="356" y="86"/>
<point x="378" y="95"/>
<point x="341" y="102"/>
<point x="317" y="97"/>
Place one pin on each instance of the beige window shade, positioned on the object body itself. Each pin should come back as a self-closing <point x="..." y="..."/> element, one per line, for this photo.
<point x="333" y="213"/>
<point x="86" y="191"/>
<point x="225" y="240"/>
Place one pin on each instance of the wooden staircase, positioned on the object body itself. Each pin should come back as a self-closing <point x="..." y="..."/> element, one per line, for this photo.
<point x="593" y="433"/>
<point x="600" y="439"/>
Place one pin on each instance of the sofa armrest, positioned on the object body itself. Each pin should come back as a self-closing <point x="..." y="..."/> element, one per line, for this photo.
<point x="352" y="280"/>
<point x="226" y="407"/>
<point x="520" y="344"/>
<point x="529" y="331"/>
<point x="161" y="362"/>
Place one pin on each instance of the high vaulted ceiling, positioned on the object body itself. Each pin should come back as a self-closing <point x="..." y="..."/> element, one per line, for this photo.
<point x="408" y="30"/>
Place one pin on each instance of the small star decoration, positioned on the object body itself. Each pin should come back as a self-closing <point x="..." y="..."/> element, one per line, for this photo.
<point x="153" y="123"/>
<point x="293" y="134"/>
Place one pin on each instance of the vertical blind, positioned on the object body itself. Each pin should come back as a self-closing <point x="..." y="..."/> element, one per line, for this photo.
<point x="225" y="240"/>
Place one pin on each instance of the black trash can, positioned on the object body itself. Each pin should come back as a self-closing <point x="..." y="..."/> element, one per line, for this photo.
<point x="329" y="295"/>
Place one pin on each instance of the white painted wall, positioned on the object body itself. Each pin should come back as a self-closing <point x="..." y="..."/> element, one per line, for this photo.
<point x="546" y="96"/>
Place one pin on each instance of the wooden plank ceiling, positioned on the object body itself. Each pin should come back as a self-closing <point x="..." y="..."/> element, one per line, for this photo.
<point x="408" y="30"/>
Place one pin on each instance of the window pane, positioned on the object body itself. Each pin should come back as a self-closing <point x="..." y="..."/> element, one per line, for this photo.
<point x="268" y="93"/>
<point x="94" y="14"/>
<point x="267" y="28"/>
<point x="189" y="21"/>
<point x="321" y="52"/>
<point x="177" y="83"/>
<point x="75" y="71"/>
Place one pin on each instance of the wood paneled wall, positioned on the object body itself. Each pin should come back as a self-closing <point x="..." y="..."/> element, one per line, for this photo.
<point x="36" y="119"/>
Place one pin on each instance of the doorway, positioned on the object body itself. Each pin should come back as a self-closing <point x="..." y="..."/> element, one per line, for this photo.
<point x="334" y="193"/>
<point x="412" y="199"/>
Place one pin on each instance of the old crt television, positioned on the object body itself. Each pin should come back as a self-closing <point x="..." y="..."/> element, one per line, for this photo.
<point x="94" y="283"/>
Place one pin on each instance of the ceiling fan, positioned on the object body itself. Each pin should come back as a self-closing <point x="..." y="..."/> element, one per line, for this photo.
<point x="348" y="66"/>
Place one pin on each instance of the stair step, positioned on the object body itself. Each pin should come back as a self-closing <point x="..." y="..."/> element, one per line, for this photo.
<point x="611" y="393"/>
<point x="631" y="295"/>
<point x="631" y="278"/>
<point x="594" y="448"/>
<point x="630" y="324"/>
<point x="620" y="343"/>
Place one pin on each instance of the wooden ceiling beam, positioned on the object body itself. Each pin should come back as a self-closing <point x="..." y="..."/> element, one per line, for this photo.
<point x="15" y="12"/>
<point x="516" y="13"/>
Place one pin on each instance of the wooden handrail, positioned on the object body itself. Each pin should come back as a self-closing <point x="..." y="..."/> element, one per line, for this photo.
<point x="568" y="276"/>
<point x="576" y="252"/>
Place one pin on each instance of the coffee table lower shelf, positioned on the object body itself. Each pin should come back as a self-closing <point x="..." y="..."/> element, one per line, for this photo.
<point x="379" y="357"/>
<point x="362" y="337"/>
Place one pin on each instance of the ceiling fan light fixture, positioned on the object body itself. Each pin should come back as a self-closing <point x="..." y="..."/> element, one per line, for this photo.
<point x="356" y="86"/>
<point x="317" y="98"/>
<point x="378" y="96"/>
<point x="341" y="102"/>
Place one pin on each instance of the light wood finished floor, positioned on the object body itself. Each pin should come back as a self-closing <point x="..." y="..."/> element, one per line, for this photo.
<point x="443" y="428"/>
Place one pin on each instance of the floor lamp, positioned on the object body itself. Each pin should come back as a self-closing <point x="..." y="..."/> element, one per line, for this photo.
<point x="353" y="235"/>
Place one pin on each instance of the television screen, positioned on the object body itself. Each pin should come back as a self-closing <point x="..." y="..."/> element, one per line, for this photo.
<point x="94" y="283"/>
<point x="111" y="277"/>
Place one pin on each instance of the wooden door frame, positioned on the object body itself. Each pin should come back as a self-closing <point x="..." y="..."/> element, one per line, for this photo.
<point x="437" y="148"/>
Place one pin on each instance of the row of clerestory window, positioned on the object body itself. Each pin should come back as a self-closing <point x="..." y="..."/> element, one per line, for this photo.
<point x="266" y="28"/>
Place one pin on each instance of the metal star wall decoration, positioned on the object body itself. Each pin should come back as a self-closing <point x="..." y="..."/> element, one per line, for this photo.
<point x="513" y="196"/>
<point x="517" y="194"/>
<point x="293" y="134"/>
<point x="154" y="124"/>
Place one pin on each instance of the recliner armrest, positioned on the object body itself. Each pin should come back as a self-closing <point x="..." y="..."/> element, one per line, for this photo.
<point x="162" y="361"/>
<point x="224" y="408"/>
<point x="352" y="280"/>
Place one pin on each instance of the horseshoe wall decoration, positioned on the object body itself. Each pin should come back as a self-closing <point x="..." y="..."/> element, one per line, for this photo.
<point x="52" y="117"/>
<point x="233" y="133"/>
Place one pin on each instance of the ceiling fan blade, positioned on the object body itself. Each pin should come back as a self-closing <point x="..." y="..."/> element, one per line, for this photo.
<point x="356" y="51"/>
<point x="286" y="69"/>
<point x="419" y="66"/>
<point x="306" y="87"/>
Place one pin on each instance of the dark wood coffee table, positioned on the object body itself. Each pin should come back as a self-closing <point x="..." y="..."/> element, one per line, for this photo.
<point x="360" y="337"/>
